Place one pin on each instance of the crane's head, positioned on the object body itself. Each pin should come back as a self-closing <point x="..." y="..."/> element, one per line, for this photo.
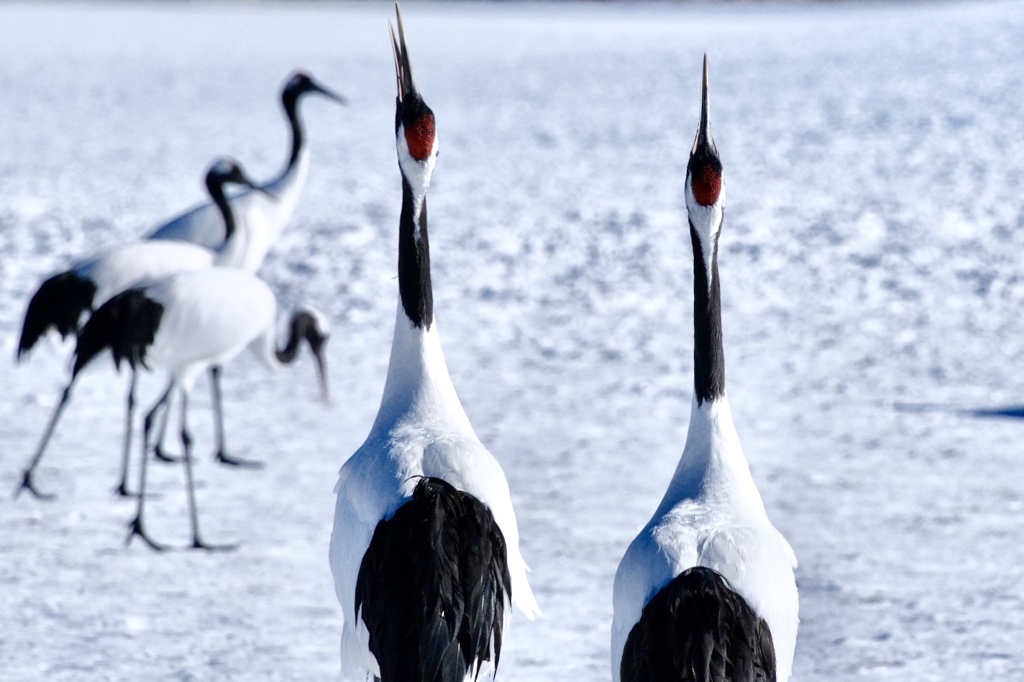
<point x="311" y="326"/>
<point x="414" y="121"/>
<point x="227" y="171"/>
<point x="301" y="83"/>
<point x="705" y="190"/>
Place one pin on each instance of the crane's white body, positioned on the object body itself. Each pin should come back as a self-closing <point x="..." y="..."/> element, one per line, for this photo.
<point x="259" y="219"/>
<point x="712" y="516"/>
<point x="125" y="266"/>
<point x="209" y="317"/>
<point x="421" y="429"/>
<point x="187" y="323"/>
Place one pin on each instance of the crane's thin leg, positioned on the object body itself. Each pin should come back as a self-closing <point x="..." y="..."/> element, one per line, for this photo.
<point x="27" y="482"/>
<point x="158" y="449"/>
<point x="218" y="418"/>
<point x="135" y="526"/>
<point x="186" y="444"/>
<point x="122" y="488"/>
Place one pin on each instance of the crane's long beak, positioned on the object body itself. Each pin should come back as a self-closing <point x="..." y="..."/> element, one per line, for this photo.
<point x="262" y="190"/>
<point x="703" y="138"/>
<point x="252" y="185"/>
<point x="330" y="94"/>
<point x="239" y="177"/>
<point x="403" y="70"/>
<point x="321" y="370"/>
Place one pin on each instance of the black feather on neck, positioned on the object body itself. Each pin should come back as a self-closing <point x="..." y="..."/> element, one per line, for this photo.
<point x="290" y="100"/>
<point x="414" y="260"/>
<point x="303" y="326"/>
<point x="215" y="186"/>
<point x="708" y="353"/>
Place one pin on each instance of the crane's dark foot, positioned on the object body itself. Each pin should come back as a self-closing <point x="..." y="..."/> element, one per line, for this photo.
<point x="135" y="528"/>
<point x="27" y="483"/>
<point x="231" y="461"/>
<point x="122" y="491"/>
<point x="197" y="543"/>
<point x="159" y="453"/>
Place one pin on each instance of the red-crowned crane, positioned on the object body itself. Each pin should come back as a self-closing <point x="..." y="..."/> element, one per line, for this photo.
<point x="186" y="323"/>
<point x="425" y="547"/>
<point x="706" y="590"/>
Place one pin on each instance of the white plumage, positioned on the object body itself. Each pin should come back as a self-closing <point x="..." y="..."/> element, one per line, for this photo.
<point x="421" y="429"/>
<point x="209" y="317"/>
<point x="712" y="515"/>
<point x="119" y="268"/>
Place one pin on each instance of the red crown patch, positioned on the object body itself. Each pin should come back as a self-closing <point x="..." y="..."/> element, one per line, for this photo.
<point x="707" y="184"/>
<point x="420" y="137"/>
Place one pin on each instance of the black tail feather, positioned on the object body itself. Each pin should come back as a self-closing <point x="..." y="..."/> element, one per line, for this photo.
<point x="434" y="587"/>
<point x="126" y="324"/>
<point x="58" y="304"/>
<point x="698" y="629"/>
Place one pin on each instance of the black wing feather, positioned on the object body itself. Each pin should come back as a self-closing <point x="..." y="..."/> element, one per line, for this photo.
<point x="59" y="304"/>
<point x="126" y="324"/>
<point x="434" y="586"/>
<point x="698" y="629"/>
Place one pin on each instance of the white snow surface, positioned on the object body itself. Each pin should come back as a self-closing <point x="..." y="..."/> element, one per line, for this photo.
<point x="871" y="280"/>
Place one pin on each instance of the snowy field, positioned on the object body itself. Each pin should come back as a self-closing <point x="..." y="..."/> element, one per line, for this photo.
<point x="872" y="286"/>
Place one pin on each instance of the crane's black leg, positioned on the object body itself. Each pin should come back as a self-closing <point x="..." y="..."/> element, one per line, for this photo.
<point x="158" y="449"/>
<point x="135" y="526"/>
<point x="218" y="418"/>
<point x="186" y="444"/>
<point x="122" y="488"/>
<point x="27" y="483"/>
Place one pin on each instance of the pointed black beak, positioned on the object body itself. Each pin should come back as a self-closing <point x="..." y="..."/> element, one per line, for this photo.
<point x="703" y="141"/>
<point x="403" y="70"/>
<point x="240" y="178"/>
<point x="330" y="94"/>
<point x="321" y="369"/>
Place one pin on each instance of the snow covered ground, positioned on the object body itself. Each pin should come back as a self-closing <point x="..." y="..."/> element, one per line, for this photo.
<point x="872" y="288"/>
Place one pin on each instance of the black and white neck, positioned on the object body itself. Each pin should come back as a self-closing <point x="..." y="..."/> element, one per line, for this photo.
<point x="705" y="205"/>
<point x="297" y="86"/>
<point x="416" y="140"/>
<point x="418" y="383"/>
<point x="413" y="239"/>
<point x="310" y="326"/>
<point x="216" y="178"/>
<point x="226" y="171"/>
<point x="290" y="101"/>
<point x="712" y="464"/>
